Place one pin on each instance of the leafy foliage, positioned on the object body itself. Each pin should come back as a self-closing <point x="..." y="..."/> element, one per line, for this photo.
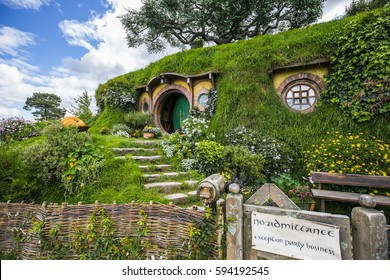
<point x="116" y="94"/>
<point x="243" y="167"/>
<point x="209" y="157"/>
<point x="15" y="183"/>
<point x="121" y="130"/>
<point x="138" y="120"/>
<point x="359" y="6"/>
<point x="359" y="82"/>
<point x="277" y="155"/>
<point x="179" y="23"/>
<point x="82" y="109"/>
<point x="201" y="235"/>
<point x="46" y="105"/>
<point x="66" y="159"/>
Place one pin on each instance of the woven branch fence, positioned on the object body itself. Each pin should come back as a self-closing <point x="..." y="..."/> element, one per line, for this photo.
<point x="168" y="225"/>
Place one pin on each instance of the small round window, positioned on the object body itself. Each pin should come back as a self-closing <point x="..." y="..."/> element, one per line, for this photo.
<point x="203" y="99"/>
<point x="145" y="107"/>
<point x="301" y="96"/>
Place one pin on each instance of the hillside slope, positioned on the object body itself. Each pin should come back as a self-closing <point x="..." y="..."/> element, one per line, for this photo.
<point x="246" y="95"/>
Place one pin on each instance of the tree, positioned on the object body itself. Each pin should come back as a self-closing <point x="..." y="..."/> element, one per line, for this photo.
<point x="46" y="105"/>
<point x="191" y="22"/>
<point x="82" y="109"/>
<point x="359" y="6"/>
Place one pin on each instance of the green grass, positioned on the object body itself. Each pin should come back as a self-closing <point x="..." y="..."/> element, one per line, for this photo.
<point x="246" y="95"/>
<point x="120" y="181"/>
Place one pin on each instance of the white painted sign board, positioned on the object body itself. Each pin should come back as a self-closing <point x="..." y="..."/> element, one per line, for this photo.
<point x="295" y="238"/>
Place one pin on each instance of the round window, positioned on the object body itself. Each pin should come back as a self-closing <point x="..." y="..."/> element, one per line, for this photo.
<point x="145" y="107"/>
<point x="301" y="96"/>
<point x="202" y="100"/>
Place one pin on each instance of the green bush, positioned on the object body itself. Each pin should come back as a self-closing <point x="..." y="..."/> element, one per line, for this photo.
<point x="121" y="130"/>
<point x="104" y="131"/>
<point x="242" y="166"/>
<point x="138" y="120"/>
<point x="209" y="157"/>
<point x="67" y="159"/>
<point x="285" y="182"/>
<point x="277" y="155"/>
<point x="15" y="184"/>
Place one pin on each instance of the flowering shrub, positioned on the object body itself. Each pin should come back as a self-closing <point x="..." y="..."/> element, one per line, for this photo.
<point x="120" y="130"/>
<point x="189" y="164"/>
<point x="211" y="103"/>
<point x="349" y="153"/>
<point x="81" y="167"/>
<point x="277" y="155"/>
<point x="66" y="159"/>
<point x="116" y="95"/>
<point x="16" y="129"/>
<point x="176" y="145"/>
<point x="300" y="195"/>
<point x="196" y="128"/>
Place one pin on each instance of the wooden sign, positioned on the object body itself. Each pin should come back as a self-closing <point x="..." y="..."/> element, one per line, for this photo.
<point x="295" y="238"/>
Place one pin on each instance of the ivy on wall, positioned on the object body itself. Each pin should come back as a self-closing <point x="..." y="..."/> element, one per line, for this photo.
<point x="360" y="78"/>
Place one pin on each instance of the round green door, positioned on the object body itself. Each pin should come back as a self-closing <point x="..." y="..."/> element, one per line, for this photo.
<point x="181" y="111"/>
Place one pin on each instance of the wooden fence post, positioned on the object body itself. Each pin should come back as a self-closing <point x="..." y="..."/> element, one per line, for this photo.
<point x="234" y="220"/>
<point x="369" y="231"/>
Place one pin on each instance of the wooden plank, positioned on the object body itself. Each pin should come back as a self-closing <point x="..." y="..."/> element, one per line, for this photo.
<point x="351" y="179"/>
<point x="347" y="197"/>
<point x="271" y="191"/>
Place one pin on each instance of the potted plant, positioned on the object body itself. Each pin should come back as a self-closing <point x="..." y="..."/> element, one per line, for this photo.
<point x="302" y="197"/>
<point x="150" y="132"/>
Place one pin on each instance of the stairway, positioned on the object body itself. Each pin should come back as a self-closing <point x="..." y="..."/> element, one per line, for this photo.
<point x="177" y="187"/>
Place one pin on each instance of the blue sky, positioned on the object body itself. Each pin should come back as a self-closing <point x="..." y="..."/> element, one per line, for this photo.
<point x="67" y="47"/>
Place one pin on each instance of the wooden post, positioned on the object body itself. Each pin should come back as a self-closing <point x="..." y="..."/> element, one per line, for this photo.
<point x="234" y="219"/>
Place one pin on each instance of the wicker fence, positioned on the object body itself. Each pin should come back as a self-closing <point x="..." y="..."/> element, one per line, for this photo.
<point x="168" y="225"/>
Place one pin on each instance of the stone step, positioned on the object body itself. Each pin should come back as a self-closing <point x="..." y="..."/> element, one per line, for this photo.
<point x="166" y="187"/>
<point x="177" y="198"/>
<point x="146" y="158"/>
<point x="192" y="183"/>
<point x="147" y="142"/>
<point x="192" y="193"/>
<point x="155" y="176"/>
<point x="125" y="151"/>
<point x="157" y="167"/>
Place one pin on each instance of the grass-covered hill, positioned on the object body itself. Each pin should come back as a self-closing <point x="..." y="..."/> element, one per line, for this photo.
<point x="246" y="95"/>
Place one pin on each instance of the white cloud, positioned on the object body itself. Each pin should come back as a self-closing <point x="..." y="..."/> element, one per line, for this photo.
<point x="12" y="40"/>
<point x="333" y="9"/>
<point x="25" y="4"/>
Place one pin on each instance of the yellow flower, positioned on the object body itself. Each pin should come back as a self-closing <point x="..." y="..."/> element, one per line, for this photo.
<point x="388" y="194"/>
<point x="376" y="191"/>
<point x="71" y="164"/>
<point x="68" y="177"/>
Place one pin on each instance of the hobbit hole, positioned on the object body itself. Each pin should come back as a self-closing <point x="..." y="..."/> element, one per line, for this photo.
<point x="170" y="97"/>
